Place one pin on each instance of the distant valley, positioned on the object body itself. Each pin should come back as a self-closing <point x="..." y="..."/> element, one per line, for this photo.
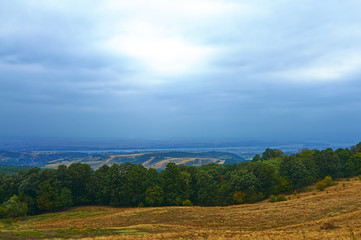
<point x="157" y="160"/>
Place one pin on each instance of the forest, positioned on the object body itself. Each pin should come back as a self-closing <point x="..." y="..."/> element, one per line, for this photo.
<point x="34" y="191"/>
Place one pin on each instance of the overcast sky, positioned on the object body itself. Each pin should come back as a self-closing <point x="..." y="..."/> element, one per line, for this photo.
<point x="253" y="69"/>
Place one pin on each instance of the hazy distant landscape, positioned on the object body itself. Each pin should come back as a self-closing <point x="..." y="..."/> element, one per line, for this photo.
<point x="156" y="153"/>
<point x="89" y="145"/>
<point x="157" y="160"/>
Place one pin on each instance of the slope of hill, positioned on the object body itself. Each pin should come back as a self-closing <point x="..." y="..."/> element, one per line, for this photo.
<point x="312" y="214"/>
<point x="156" y="160"/>
<point x="13" y="169"/>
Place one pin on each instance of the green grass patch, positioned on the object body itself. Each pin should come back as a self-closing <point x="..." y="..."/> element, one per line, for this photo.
<point x="71" y="214"/>
<point x="94" y="232"/>
<point x="30" y="234"/>
<point x="333" y="214"/>
<point x="129" y="232"/>
<point x="70" y="233"/>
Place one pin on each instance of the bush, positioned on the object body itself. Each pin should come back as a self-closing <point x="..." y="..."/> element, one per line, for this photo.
<point x="328" y="225"/>
<point x="187" y="203"/>
<point x="284" y="185"/>
<point x="272" y="198"/>
<point x="2" y="211"/>
<point x="239" y="197"/>
<point x="327" y="182"/>
<point x="13" y="208"/>
<point x="279" y="198"/>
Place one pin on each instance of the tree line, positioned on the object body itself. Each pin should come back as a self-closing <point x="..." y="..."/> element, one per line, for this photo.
<point x="35" y="191"/>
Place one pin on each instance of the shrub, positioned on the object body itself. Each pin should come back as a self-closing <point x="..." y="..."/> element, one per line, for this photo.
<point x="327" y="182"/>
<point x="13" y="208"/>
<point x="279" y="198"/>
<point x="328" y="225"/>
<point x="187" y="203"/>
<point x="272" y="198"/>
<point x="284" y="185"/>
<point x="2" y="211"/>
<point x="332" y="214"/>
<point x="239" y="197"/>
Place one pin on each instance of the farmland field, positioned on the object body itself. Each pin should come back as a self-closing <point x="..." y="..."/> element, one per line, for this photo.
<point x="157" y="160"/>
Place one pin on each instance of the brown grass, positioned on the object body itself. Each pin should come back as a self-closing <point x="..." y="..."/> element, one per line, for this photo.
<point x="330" y="214"/>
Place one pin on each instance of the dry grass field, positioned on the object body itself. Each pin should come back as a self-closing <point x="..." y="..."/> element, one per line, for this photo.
<point x="331" y="214"/>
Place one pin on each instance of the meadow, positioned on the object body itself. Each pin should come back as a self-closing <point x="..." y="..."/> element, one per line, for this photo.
<point x="308" y="214"/>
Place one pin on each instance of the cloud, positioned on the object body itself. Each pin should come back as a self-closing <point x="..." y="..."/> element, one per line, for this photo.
<point x="158" y="52"/>
<point x="339" y="66"/>
<point x="250" y="69"/>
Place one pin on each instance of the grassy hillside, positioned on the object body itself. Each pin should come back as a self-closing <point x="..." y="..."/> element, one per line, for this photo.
<point x="311" y="214"/>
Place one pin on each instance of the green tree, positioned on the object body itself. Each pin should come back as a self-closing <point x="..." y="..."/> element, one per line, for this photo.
<point x="271" y="153"/>
<point x="329" y="163"/>
<point x="134" y="184"/>
<point x="239" y="197"/>
<point x="28" y="188"/>
<point x="353" y="165"/>
<point x="244" y="180"/>
<point x="307" y="157"/>
<point x="154" y="196"/>
<point x="224" y="195"/>
<point x="284" y="185"/>
<point x="112" y="186"/>
<point x="205" y="186"/>
<point x="294" y="170"/>
<point x="265" y="174"/>
<point x="13" y="208"/>
<point x="62" y="174"/>
<point x="176" y="185"/>
<point x="357" y="148"/>
<point x="46" y="197"/>
<point x="100" y="176"/>
<point x="256" y="158"/>
<point x="346" y="162"/>
<point x="63" y="199"/>
<point x="81" y="176"/>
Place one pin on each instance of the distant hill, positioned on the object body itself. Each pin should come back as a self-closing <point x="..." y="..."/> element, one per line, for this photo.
<point x="13" y="169"/>
<point x="156" y="160"/>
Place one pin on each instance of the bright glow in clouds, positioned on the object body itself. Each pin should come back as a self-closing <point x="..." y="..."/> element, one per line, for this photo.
<point x="165" y="54"/>
<point x="161" y="9"/>
<point x="159" y="33"/>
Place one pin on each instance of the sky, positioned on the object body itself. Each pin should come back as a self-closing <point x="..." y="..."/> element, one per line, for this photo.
<point x="250" y="69"/>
